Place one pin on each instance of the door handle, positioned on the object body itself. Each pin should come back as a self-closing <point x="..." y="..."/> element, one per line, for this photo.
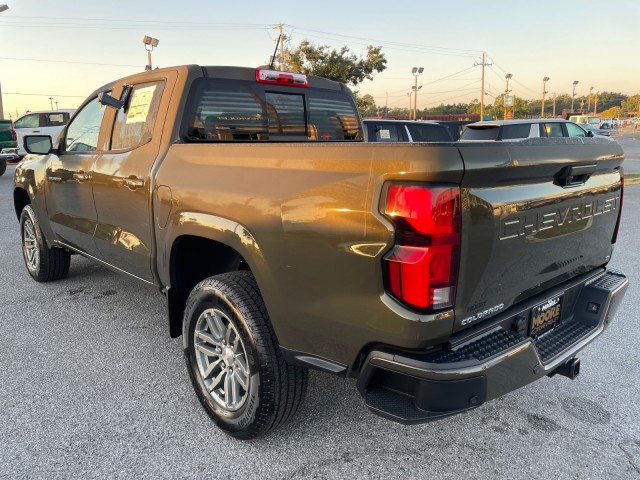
<point x="133" y="182"/>
<point x="81" y="176"/>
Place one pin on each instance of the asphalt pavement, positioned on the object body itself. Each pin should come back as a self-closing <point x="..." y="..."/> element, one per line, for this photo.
<point x="91" y="386"/>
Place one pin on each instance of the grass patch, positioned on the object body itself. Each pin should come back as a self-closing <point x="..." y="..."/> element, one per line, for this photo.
<point x="629" y="176"/>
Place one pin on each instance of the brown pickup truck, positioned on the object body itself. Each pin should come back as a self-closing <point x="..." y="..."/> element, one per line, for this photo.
<point x="440" y="275"/>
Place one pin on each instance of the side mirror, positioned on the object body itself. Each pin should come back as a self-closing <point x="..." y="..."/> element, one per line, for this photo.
<point x="38" y="144"/>
<point x="589" y="133"/>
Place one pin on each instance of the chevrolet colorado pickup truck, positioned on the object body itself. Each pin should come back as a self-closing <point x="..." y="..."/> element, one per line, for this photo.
<point x="441" y="276"/>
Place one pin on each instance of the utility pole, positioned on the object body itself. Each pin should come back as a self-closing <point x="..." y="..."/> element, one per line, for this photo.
<point x="589" y="104"/>
<point x="56" y="105"/>
<point x="280" y="47"/>
<point x="482" y="92"/>
<point x="409" y="94"/>
<point x="386" y="102"/>
<point x="595" y="104"/>
<point x="544" y="90"/>
<point x="573" y="95"/>
<point x="554" y="104"/>
<point x="506" y="92"/>
<point x="51" y="102"/>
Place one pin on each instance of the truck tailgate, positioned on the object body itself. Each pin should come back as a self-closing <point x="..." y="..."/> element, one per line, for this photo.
<point x="534" y="214"/>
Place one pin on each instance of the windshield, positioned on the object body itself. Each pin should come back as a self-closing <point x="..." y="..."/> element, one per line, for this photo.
<point x="594" y="120"/>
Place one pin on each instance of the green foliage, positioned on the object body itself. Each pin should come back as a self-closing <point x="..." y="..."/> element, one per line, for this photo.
<point x="339" y="65"/>
<point x="631" y="104"/>
<point x="366" y="105"/>
<point x="613" y="112"/>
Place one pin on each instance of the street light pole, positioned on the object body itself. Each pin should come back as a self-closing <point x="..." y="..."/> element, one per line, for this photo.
<point x="506" y="92"/>
<point x="544" y="90"/>
<point x="415" y="71"/>
<point x="589" y="104"/>
<point x="51" y="102"/>
<point x="573" y="96"/>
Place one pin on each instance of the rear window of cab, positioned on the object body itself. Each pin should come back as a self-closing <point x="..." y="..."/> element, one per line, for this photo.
<point x="220" y="110"/>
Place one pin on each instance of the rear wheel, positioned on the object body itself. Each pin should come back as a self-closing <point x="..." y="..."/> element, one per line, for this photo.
<point x="43" y="263"/>
<point x="3" y="166"/>
<point x="233" y="358"/>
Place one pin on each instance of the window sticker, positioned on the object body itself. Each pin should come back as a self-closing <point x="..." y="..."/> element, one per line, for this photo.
<point x="140" y="103"/>
<point x="385" y="134"/>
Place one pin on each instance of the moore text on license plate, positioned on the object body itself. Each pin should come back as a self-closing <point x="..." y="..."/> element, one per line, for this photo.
<point x="545" y="315"/>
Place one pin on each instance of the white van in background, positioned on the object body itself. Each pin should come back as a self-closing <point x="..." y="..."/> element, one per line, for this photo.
<point x="45" y="122"/>
<point x="590" y="119"/>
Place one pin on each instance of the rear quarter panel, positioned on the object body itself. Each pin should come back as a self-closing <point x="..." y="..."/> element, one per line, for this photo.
<point x="311" y="232"/>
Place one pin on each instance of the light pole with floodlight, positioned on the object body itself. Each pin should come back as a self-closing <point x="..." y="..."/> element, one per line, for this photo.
<point x="573" y="96"/>
<point x="415" y="71"/>
<point x="149" y="44"/>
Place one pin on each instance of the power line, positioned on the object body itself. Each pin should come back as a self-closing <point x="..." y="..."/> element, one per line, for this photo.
<point x="45" y="95"/>
<point x="69" y="61"/>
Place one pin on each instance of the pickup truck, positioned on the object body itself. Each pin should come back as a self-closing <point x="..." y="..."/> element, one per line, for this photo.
<point x="8" y="144"/>
<point x="441" y="276"/>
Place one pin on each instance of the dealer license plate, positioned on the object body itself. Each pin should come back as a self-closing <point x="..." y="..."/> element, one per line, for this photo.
<point x="546" y="315"/>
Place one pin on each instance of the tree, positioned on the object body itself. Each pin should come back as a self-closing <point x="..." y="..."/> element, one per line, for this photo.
<point x="613" y="112"/>
<point x="631" y="104"/>
<point x="366" y="105"/>
<point x="339" y="65"/>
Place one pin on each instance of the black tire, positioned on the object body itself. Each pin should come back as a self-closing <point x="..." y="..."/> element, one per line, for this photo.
<point x="275" y="389"/>
<point x="44" y="264"/>
<point x="3" y="167"/>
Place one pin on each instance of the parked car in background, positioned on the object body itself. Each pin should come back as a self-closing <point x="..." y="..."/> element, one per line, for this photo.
<point x="514" y="130"/>
<point x="46" y="122"/>
<point x="601" y="130"/>
<point x="384" y="130"/>
<point x="8" y="150"/>
<point x="456" y="127"/>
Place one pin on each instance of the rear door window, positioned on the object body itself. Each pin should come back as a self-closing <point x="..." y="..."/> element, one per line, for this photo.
<point x="429" y="133"/>
<point x="552" y="129"/>
<point x="386" y="132"/>
<point x="134" y="125"/>
<point x="57" y="119"/>
<point x="516" y="131"/>
<point x="489" y="132"/>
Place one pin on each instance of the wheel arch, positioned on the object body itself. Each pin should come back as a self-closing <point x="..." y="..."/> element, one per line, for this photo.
<point x="201" y="246"/>
<point x="20" y="200"/>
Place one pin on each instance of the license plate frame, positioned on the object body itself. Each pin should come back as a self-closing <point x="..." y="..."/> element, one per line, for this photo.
<point x="545" y="315"/>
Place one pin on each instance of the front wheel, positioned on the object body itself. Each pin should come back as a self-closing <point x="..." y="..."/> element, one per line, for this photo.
<point x="43" y="263"/>
<point x="234" y="361"/>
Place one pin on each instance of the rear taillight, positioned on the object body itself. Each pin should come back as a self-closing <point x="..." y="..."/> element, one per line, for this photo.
<point x="422" y="267"/>
<point x="615" y="231"/>
<point x="13" y="133"/>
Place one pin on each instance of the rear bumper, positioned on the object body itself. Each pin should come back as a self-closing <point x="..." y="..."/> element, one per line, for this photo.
<point x="412" y="388"/>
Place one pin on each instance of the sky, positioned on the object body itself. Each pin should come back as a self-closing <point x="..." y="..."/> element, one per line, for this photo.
<point x="68" y="48"/>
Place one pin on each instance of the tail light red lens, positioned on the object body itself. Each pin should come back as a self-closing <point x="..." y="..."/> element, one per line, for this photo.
<point x="422" y="268"/>
<point x="13" y="133"/>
